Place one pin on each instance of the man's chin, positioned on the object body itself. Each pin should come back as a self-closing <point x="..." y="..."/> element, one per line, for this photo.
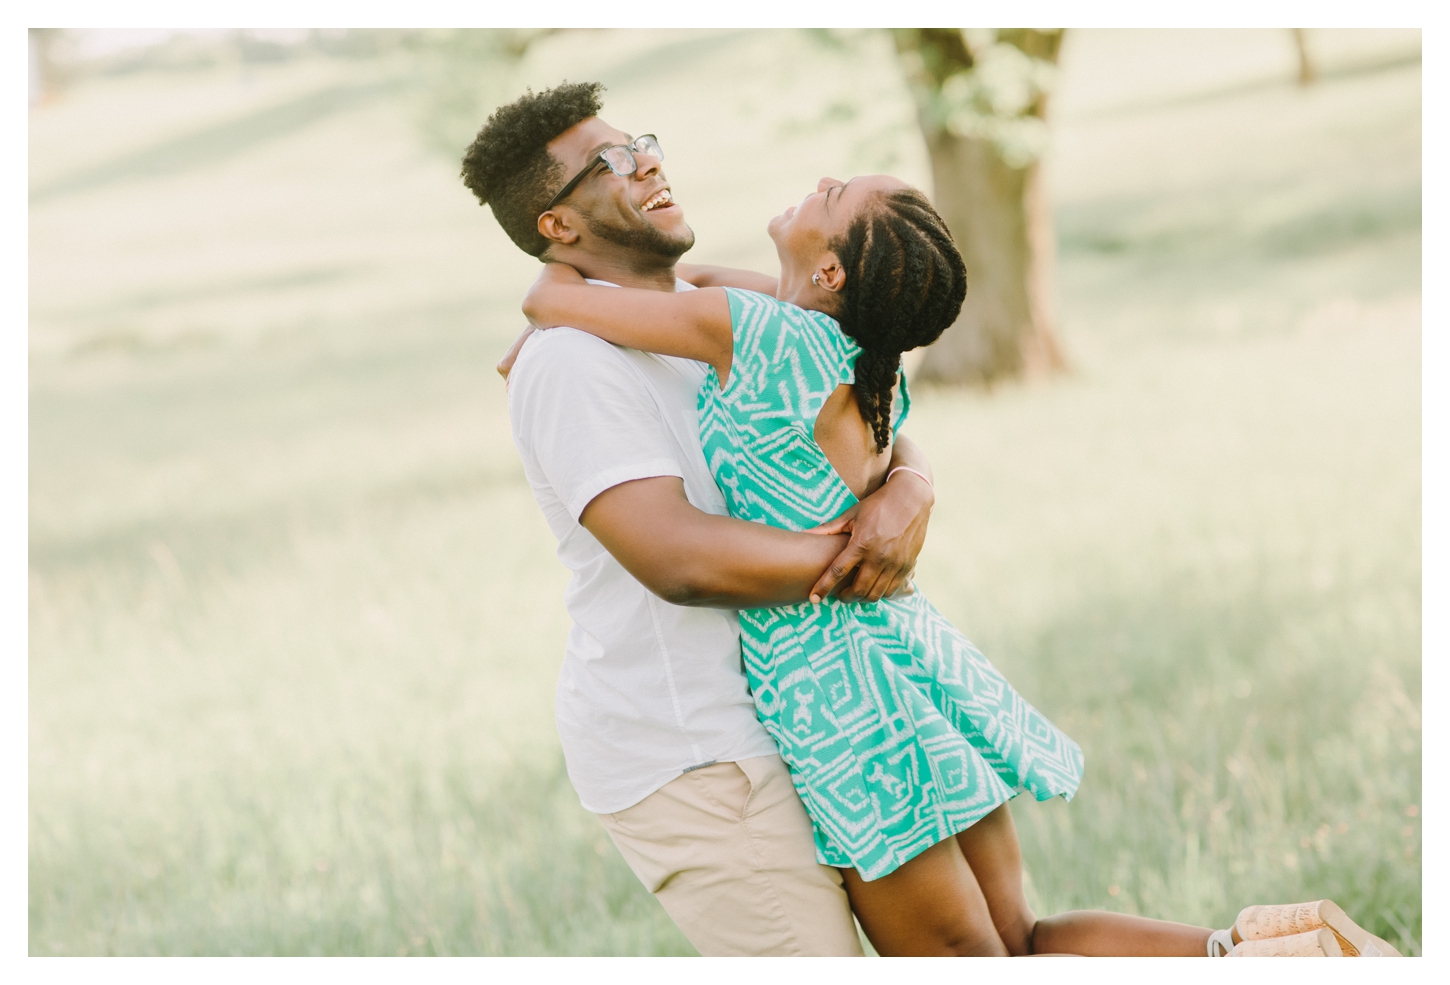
<point x="684" y="242"/>
<point x="669" y="247"/>
<point x="672" y="237"/>
<point x="648" y="238"/>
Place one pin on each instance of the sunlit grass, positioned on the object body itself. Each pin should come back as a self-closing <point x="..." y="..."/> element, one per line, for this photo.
<point x="296" y="621"/>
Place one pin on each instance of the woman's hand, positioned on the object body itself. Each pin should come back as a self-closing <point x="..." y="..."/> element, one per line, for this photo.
<point x="506" y="364"/>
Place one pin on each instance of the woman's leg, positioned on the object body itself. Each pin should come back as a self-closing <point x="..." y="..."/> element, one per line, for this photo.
<point x="1104" y="934"/>
<point x="931" y="906"/>
<point x="964" y="896"/>
<point x="992" y="850"/>
<point x="995" y="857"/>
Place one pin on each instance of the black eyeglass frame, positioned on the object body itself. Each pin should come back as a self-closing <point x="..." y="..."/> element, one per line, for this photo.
<point x="657" y="154"/>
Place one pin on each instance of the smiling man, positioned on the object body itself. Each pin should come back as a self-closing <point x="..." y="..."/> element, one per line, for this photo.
<point x="656" y="723"/>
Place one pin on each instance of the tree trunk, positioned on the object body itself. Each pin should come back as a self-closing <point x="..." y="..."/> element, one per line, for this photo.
<point x="1002" y="223"/>
<point x="1001" y="219"/>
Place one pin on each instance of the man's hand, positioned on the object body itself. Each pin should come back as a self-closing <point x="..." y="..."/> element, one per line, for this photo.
<point x="887" y="528"/>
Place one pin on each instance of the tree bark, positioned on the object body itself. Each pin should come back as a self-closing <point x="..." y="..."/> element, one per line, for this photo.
<point x="1002" y="223"/>
<point x="1001" y="219"/>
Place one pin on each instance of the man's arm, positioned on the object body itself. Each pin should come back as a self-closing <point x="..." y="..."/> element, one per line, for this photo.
<point x="674" y="549"/>
<point x="690" y="557"/>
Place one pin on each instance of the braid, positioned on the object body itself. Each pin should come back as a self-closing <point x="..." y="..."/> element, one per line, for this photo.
<point x="905" y="283"/>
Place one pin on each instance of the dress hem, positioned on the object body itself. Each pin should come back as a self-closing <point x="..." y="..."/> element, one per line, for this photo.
<point x="821" y="858"/>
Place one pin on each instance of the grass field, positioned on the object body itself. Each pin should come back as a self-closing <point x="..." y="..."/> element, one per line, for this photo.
<point x="295" y="620"/>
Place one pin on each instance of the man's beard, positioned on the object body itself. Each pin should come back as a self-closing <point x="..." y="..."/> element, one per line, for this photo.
<point x="643" y="238"/>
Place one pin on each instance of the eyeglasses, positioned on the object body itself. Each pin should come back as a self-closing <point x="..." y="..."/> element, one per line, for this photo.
<point x="620" y="159"/>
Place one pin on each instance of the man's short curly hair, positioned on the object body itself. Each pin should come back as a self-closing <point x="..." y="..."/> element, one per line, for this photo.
<point x="508" y="165"/>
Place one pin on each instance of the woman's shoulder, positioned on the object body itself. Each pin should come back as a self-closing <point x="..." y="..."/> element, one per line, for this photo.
<point x="768" y="329"/>
<point x="747" y="303"/>
<point x="753" y="304"/>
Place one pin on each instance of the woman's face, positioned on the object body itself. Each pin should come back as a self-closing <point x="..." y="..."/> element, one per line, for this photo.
<point x="803" y="232"/>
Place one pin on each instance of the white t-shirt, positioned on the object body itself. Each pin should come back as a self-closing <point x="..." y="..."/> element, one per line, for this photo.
<point x="648" y="689"/>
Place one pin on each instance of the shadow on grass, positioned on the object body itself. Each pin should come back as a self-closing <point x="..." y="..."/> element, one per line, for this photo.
<point x="1125" y="226"/>
<point x="231" y="288"/>
<point x="216" y="142"/>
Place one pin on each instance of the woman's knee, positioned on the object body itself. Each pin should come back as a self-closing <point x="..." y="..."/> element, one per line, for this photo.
<point x="1017" y="934"/>
<point x="1014" y="920"/>
<point x="978" y="939"/>
<point x="972" y="942"/>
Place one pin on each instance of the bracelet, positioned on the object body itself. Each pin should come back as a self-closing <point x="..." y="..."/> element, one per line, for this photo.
<point x="907" y="468"/>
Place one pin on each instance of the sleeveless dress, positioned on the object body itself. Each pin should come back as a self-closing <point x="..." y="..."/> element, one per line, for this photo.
<point x="898" y="733"/>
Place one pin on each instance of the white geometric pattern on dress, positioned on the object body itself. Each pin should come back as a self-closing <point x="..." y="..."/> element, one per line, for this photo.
<point x="897" y="731"/>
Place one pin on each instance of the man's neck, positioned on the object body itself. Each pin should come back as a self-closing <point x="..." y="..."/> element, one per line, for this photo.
<point x="621" y="272"/>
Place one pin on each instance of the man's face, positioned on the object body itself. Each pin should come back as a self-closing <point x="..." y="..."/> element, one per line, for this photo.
<point x="635" y="212"/>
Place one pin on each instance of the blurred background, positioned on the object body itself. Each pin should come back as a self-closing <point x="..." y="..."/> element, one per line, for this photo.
<point x="295" y="620"/>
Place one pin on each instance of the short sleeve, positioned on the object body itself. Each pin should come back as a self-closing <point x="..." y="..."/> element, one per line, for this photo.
<point x="581" y="415"/>
<point x="786" y="355"/>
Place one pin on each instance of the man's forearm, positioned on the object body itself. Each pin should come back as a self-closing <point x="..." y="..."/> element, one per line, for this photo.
<point x="735" y="564"/>
<point x="690" y="557"/>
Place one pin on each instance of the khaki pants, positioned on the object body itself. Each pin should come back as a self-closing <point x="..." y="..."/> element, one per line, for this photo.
<point x="727" y="850"/>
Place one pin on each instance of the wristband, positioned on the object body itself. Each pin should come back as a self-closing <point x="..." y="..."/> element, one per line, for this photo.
<point x="907" y="468"/>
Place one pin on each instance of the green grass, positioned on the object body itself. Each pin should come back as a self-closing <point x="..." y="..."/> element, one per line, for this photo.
<point x="295" y="620"/>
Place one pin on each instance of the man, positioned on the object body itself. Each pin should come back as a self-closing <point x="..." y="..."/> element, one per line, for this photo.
<point x="656" y="722"/>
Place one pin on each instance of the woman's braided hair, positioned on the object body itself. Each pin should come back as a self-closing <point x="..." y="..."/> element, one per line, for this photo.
<point x="905" y="283"/>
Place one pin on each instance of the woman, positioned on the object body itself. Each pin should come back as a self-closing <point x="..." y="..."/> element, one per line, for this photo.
<point x="903" y="741"/>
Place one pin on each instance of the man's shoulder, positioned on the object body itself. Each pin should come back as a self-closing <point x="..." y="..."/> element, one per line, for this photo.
<point x="567" y="353"/>
<point x="563" y="341"/>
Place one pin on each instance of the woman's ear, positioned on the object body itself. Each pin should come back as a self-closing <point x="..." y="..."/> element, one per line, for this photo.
<point x="829" y="275"/>
<point x="556" y="229"/>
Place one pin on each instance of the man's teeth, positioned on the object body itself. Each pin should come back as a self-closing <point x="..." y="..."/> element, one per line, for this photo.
<point x="663" y="198"/>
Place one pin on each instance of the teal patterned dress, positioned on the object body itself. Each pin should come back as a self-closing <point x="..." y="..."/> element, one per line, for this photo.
<point x="897" y="731"/>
